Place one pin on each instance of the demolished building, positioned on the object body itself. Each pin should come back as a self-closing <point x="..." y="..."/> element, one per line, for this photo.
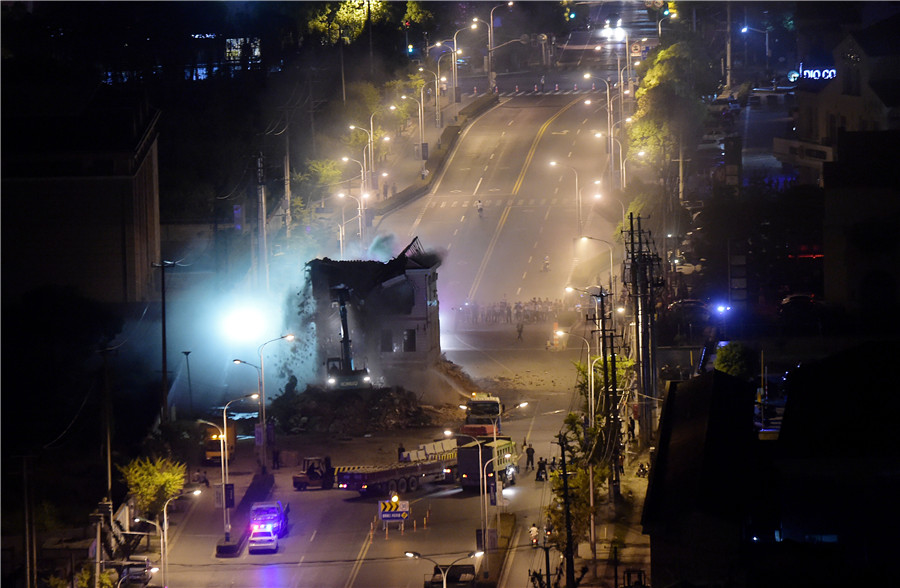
<point x="392" y="311"/>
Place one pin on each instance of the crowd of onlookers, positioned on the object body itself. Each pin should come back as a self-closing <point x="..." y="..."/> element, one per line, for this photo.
<point x="530" y="311"/>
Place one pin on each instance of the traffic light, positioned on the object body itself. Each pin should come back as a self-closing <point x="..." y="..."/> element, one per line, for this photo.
<point x="409" y="48"/>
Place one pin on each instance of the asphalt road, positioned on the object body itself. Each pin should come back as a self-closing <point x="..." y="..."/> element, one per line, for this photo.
<point x="531" y="210"/>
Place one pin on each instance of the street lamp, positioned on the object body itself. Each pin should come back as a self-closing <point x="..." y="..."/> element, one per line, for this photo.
<point x="673" y="16"/>
<point x="437" y="94"/>
<point x="372" y="142"/>
<point x="224" y="454"/>
<point x="481" y="508"/>
<point x="624" y="180"/>
<point x="490" y="55"/>
<point x="472" y="26"/>
<point x="577" y="196"/>
<point x="609" y="116"/>
<point x="261" y="390"/>
<point x="361" y="209"/>
<point x="165" y="534"/>
<point x="443" y="569"/>
<point x="599" y="196"/>
<point x="421" y="121"/>
<point x="608" y="246"/>
<point x="162" y="555"/>
<point x="591" y="412"/>
<point x="223" y="443"/>
<point x="766" y="33"/>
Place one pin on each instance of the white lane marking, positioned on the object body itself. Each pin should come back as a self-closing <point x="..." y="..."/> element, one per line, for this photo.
<point x="478" y="185"/>
<point x="313" y="536"/>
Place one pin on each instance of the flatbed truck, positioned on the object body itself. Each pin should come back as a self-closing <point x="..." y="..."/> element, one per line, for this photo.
<point x="431" y="463"/>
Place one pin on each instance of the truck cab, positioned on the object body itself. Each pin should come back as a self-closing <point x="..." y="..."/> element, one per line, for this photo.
<point x="271" y="516"/>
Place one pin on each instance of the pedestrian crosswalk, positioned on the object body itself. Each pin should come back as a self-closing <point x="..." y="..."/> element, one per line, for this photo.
<point x="465" y="202"/>
<point x="530" y="91"/>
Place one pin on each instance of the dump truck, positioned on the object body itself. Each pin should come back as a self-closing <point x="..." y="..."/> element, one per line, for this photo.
<point x="212" y="447"/>
<point x="430" y="463"/>
<point x="470" y="469"/>
<point x="482" y="415"/>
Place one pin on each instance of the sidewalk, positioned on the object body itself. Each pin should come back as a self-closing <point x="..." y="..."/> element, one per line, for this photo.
<point x="403" y="163"/>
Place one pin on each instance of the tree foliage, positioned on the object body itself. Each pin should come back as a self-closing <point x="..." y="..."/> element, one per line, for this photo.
<point x="735" y="359"/>
<point x="85" y="578"/>
<point x="333" y="21"/>
<point x="153" y="482"/>
<point x="669" y="110"/>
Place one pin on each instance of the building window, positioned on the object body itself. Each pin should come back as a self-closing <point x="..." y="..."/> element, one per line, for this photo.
<point x="409" y="340"/>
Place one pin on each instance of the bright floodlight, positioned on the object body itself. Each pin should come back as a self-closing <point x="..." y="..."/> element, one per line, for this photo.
<point x="245" y="323"/>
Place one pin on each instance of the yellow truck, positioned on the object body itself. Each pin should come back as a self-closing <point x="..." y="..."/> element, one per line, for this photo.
<point x="212" y="444"/>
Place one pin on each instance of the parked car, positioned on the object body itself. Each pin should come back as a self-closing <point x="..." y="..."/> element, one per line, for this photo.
<point x="262" y="540"/>
<point x="136" y="574"/>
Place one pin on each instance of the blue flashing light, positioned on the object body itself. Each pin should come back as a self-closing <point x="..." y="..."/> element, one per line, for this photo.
<point x="571" y="16"/>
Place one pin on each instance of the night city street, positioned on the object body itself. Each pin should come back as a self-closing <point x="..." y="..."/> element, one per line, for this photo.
<point x="478" y="294"/>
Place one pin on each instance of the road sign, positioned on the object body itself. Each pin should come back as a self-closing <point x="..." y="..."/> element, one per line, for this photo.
<point x="393" y="511"/>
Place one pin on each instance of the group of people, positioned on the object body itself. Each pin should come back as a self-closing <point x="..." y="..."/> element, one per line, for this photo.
<point x="530" y="311"/>
<point x="543" y="466"/>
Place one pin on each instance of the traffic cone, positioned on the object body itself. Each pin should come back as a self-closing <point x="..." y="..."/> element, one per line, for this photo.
<point x="517" y="88"/>
<point x="535" y="87"/>
<point x="594" y="86"/>
<point x="576" y="87"/>
<point x="556" y="88"/>
<point x="475" y="91"/>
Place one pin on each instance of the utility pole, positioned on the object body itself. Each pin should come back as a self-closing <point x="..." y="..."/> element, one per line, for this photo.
<point x="262" y="273"/>
<point x="728" y="50"/>
<point x="164" y="415"/>
<point x="569" y="555"/>
<point x="287" y="174"/>
<point x="187" y="362"/>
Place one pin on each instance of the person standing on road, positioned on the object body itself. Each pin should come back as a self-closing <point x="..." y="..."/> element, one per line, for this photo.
<point x="519" y="328"/>
<point x="529" y="453"/>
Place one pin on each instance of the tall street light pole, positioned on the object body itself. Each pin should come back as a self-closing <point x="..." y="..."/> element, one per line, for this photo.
<point x="455" y="58"/>
<point x="421" y="109"/>
<point x="481" y="508"/>
<point x="491" y="75"/>
<point x="165" y="532"/>
<point x="624" y="180"/>
<point x="591" y="416"/>
<point x="261" y="391"/>
<point x="262" y="396"/>
<point x="608" y="246"/>
<point x="225" y="459"/>
<point x="223" y="444"/>
<point x="766" y="33"/>
<point x="437" y="94"/>
<point x="577" y="197"/>
<point x="361" y="210"/>
<point x="609" y="117"/>
<point x="442" y="568"/>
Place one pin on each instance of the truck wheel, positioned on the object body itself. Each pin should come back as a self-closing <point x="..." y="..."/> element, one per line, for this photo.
<point x="392" y="486"/>
<point x="401" y="485"/>
<point x="413" y="483"/>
